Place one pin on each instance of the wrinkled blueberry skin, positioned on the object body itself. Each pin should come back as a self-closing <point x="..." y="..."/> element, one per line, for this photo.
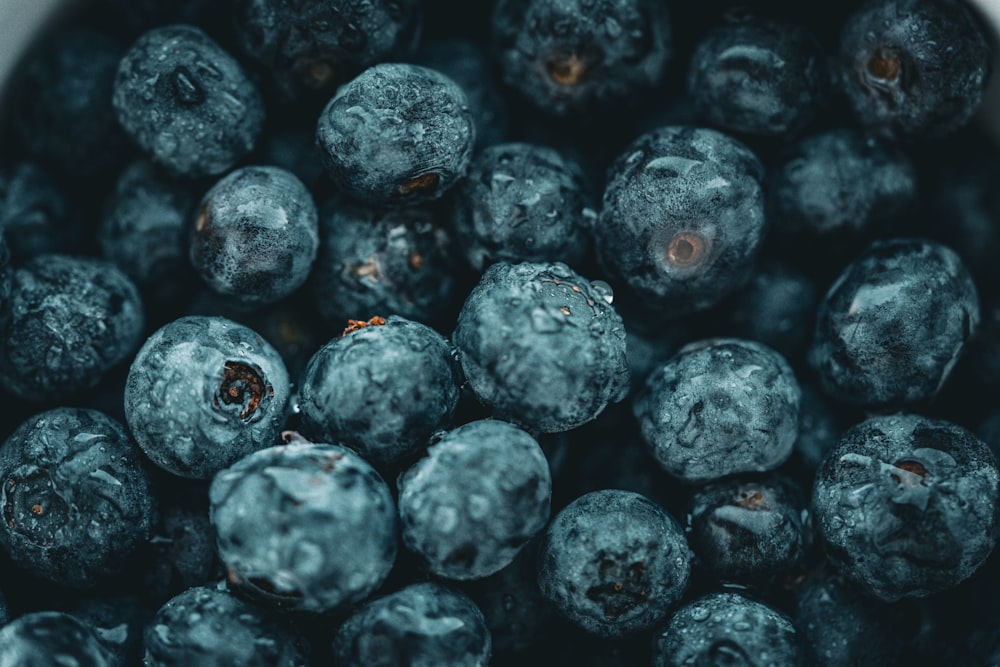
<point x="396" y="134"/>
<point x="841" y="185"/>
<point x="312" y="47"/>
<point x="907" y="506"/>
<point x="256" y="235"/>
<point x="381" y="390"/>
<point x="749" y="529"/>
<point x="423" y="625"/>
<point x="613" y="562"/>
<point x="34" y="213"/>
<point x="469" y="506"/>
<point x="914" y="68"/>
<point x="675" y="183"/>
<point x="718" y="407"/>
<point x="893" y="324"/>
<point x="202" y="393"/>
<point x="758" y="76"/>
<point x="144" y="232"/>
<point x="71" y="320"/>
<point x="376" y="261"/>
<point x="76" y="499"/>
<point x="541" y="346"/>
<point x="571" y="57"/>
<point x="522" y="203"/>
<point x="241" y="633"/>
<point x="62" y="109"/>
<point x="47" y="638"/>
<point x="727" y="629"/>
<point x="186" y="102"/>
<point x="304" y="527"/>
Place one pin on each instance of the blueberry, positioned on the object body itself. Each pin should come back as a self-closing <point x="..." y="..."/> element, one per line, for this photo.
<point x="305" y="527"/>
<point x="77" y="500"/>
<point x="187" y="102"/>
<point x="34" y="211"/>
<point x="819" y="427"/>
<point x="202" y="393"/>
<point x="382" y="390"/>
<point x="719" y="407"/>
<point x="241" y="633"/>
<point x="541" y="346"/>
<point x="469" y="506"/>
<point x="313" y="47"/>
<point x="727" y="629"/>
<point x="907" y="506"/>
<point x="613" y="562"/>
<point x="118" y="621"/>
<point x="47" y="638"/>
<point x="396" y="134"/>
<point x="914" y="68"/>
<point x="256" y="235"/>
<point x="682" y="218"/>
<point x="422" y="625"/>
<point x="4" y="615"/>
<point x="573" y="58"/>
<point x="70" y="321"/>
<point x="522" y="203"/>
<point x="759" y="76"/>
<point x="395" y="261"/>
<point x="893" y="324"/>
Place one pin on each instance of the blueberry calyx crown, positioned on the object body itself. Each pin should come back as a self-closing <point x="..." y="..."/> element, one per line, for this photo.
<point x="354" y="325"/>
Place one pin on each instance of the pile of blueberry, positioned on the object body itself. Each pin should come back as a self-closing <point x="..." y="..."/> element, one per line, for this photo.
<point x="523" y="332"/>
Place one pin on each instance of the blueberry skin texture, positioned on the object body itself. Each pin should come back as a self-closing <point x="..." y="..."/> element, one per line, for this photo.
<point x="469" y="506"/>
<point x="571" y="57"/>
<point x="541" y="346"/>
<point x="914" y="69"/>
<point x="46" y="638"/>
<point x="186" y="102"/>
<point x="77" y="501"/>
<point x="423" y="625"/>
<point x="34" y="212"/>
<point x="70" y="321"/>
<point x="718" y="407"/>
<point x="893" y="324"/>
<point x="256" y="235"/>
<point x="396" y="134"/>
<point x="522" y="203"/>
<point x="312" y="47"/>
<point x="304" y="527"/>
<point x="381" y="390"/>
<point x="840" y="184"/>
<point x="202" y="393"/>
<point x="907" y="506"/>
<point x="242" y="633"/>
<point x="759" y="76"/>
<point x="748" y="530"/>
<point x="682" y="219"/>
<point x="727" y="628"/>
<point x="384" y="261"/>
<point x="613" y="562"/>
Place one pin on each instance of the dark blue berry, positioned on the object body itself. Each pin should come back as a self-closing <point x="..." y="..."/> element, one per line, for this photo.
<point x="304" y="527"/>
<point x="47" y="638"/>
<point x="382" y="389"/>
<point x="187" y="102"/>
<point x="522" y="203"/>
<point x="181" y="553"/>
<point x="469" y="506"/>
<point x="34" y="212"/>
<point x="718" y="407"/>
<point x="682" y="219"/>
<point x="613" y="562"/>
<point x="396" y="134"/>
<point x="256" y="235"/>
<point x="71" y="320"/>
<point x="202" y="393"/>
<point x="118" y="620"/>
<point x="907" y="506"/>
<point x="819" y="428"/>
<point x="422" y="625"/>
<point x="541" y="346"/>
<point x="890" y="329"/>
<point x="76" y="498"/>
